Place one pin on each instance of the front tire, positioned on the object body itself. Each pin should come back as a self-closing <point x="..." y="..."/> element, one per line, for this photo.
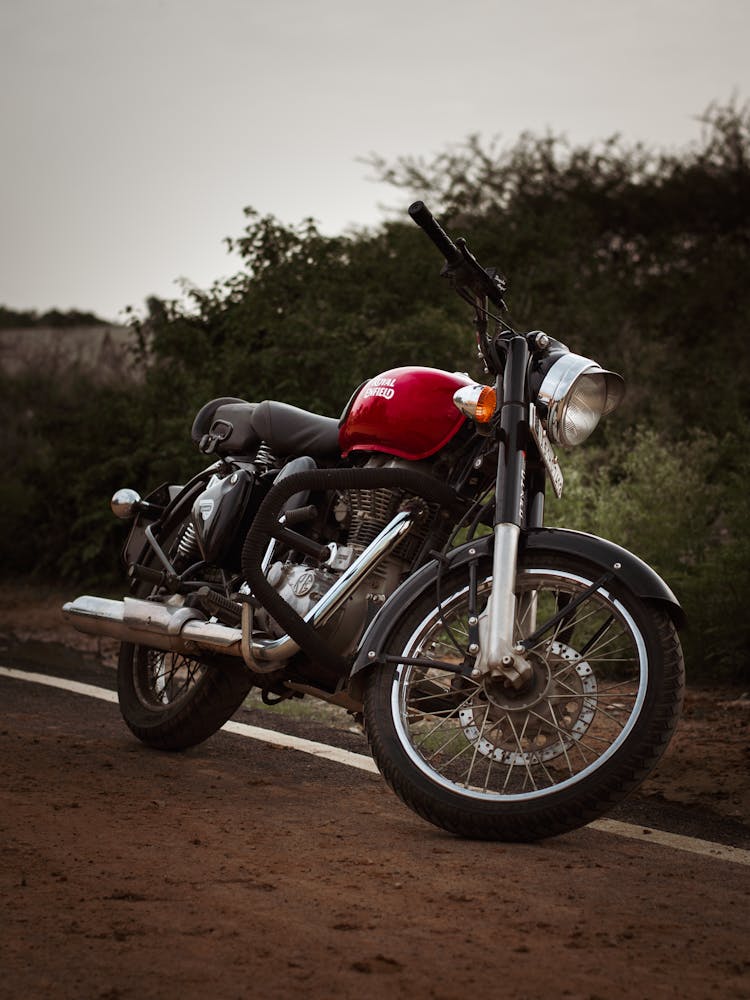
<point x="485" y="761"/>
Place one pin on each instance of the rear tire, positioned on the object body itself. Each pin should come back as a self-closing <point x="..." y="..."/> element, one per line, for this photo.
<point x="484" y="761"/>
<point x="171" y="701"/>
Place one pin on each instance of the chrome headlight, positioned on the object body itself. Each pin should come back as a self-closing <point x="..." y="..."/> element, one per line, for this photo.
<point x="577" y="393"/>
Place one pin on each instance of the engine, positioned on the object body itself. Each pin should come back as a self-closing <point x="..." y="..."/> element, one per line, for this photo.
<point x="359" y="516"/>
<point x="300" y="585"/>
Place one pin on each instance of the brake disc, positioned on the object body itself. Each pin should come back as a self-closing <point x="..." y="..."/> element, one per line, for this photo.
<point x="539" y="723"/>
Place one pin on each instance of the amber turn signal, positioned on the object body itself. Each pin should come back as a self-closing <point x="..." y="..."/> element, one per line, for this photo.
<point x="477" y="402"/>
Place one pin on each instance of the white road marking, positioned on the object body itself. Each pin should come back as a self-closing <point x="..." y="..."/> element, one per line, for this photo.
<point x="358" y="760"/>
<point x="706" y="848"/>
<point x="60" y="682"/>
<point x="721" y="852"/>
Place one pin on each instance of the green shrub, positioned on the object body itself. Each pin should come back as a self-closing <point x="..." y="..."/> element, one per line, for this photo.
<point x="683" y="508"/>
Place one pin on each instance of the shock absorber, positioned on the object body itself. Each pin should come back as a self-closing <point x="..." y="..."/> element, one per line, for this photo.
<point x="187" y="547"/>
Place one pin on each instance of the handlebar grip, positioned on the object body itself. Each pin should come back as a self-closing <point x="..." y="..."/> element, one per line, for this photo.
<point x="427" y="222"/>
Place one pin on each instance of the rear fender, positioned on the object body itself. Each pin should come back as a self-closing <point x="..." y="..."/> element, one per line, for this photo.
<point x="637" y="575"/>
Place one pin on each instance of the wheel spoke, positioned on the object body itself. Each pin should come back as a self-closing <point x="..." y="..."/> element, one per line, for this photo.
<point x="519" y="744"/>
<point x="563" y="741"/>
<point x="477" y="744"/>
<point x="166" y="677"/>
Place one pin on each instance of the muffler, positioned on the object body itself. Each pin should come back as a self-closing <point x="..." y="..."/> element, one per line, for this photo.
<point x="145" y="623"/>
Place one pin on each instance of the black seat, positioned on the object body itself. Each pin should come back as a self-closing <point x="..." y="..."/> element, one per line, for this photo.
<point x="239" y="427"/>
<point x="229" y="421"/>
<point x="292" y="431"/>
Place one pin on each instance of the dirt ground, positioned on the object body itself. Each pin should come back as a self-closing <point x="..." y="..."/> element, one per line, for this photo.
<point x="241" y="870"/>
<point x="707" y="764"/>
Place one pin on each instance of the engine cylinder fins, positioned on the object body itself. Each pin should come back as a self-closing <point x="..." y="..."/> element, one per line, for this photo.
<point x="369" y="512"/>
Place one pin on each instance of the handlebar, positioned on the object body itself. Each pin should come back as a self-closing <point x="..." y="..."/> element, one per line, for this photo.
<point x="427" y="222"/>
<point x="462" y="264"/>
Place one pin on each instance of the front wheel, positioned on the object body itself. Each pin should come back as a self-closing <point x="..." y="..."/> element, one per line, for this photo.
<point x="483" y="760"/>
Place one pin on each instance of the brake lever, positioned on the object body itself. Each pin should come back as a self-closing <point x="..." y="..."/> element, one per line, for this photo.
<point x="468" y="273"/>
<point x="493" y="283"/>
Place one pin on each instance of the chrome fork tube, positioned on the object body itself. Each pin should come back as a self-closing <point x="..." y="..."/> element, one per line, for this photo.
<point x="497" y="655"/>
<point x="501" y="607"/>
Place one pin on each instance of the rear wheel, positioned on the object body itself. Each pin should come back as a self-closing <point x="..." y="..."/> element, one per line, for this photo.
<point x="484" y="760"/>
<point x="171" y="701"/>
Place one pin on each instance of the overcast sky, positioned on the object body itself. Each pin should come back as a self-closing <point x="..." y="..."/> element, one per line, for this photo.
<point x="134" y="132"/>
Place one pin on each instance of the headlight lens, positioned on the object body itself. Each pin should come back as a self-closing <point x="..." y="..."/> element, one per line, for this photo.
<point x="577" y="394"/>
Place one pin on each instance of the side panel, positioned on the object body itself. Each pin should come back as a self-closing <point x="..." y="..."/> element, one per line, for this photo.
<point x="606" y="555"/>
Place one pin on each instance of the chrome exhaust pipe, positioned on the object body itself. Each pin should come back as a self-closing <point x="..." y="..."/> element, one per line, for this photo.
<point x="146" y="623"/>
<point x="184" y="630"/>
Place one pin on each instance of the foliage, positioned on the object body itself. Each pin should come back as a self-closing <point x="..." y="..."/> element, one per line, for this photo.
<point x="350" y="306"/>
<point x="13" y="319"/>
<point x="71" y="443"/>
<point x="683" y="507"/>
<point x="636" y="257"/>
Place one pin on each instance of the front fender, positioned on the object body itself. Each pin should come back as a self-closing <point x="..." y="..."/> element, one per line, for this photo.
<point x="603" y="554"/>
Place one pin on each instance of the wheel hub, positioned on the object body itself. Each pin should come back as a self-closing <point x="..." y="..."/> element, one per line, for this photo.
<point x="539" y="722"/>
<point x="503" y="696"/>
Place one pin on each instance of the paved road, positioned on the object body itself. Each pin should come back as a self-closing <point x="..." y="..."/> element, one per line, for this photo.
<point x="246" y="869"/>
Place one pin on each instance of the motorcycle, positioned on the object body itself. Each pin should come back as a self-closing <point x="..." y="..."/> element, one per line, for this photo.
<point x="515" y="681"/>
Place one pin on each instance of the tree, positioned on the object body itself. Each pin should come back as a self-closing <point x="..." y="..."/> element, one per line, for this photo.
<point x="638" y="256"/>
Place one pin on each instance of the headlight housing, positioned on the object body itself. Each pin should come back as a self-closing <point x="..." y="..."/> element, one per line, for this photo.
<point x="576" y="393"/>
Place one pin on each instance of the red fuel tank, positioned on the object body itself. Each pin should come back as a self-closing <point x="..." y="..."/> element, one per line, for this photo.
<point x="406" y="412"/>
